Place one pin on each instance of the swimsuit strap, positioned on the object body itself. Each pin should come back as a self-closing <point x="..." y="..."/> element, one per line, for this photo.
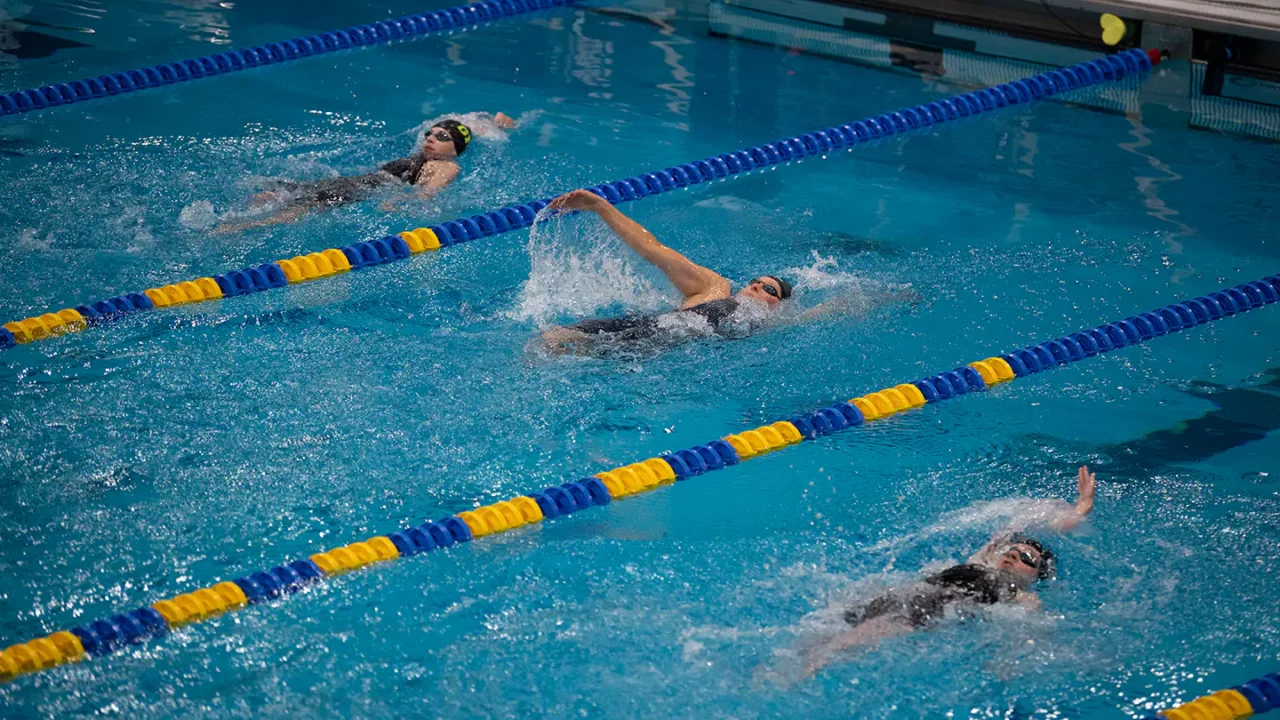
<point x="405" y="169"/>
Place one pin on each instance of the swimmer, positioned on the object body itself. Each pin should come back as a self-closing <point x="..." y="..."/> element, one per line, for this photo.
<point x="708" y="297"/>
<point x="427" y="171"/>
<point x="1003" y="571"/>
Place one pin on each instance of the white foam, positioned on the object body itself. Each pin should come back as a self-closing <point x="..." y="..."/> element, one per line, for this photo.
<point x="199" y="215"/>
<point x="578" y="268"/>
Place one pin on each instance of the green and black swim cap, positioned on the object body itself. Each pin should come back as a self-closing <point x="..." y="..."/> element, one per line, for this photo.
<point x="459" y="133"/>
<point x="783" y="285"/>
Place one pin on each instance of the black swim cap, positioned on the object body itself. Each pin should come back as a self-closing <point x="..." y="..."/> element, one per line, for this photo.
<point x="461" y="134"/>
<point x="1049" y="564"/>
<point x="783" y="285"/>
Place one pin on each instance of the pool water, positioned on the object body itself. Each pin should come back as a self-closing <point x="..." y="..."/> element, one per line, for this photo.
<point x="184" y="447"/>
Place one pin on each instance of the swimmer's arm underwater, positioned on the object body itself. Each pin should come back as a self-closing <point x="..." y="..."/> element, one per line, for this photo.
<point x="697" y="283"/>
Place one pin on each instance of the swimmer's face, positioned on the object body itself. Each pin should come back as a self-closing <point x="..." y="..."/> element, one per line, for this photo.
<point x="1023" y="560"/>
<point x="439" y="145"/>
<point x="765" y="290"/>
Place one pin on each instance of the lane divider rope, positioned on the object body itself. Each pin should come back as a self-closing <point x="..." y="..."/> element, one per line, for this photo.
<point x="410" y="26"/>
<point x="1251" y="698"/>
<point x="105" y="636"/>
<point x="403" y="245"/>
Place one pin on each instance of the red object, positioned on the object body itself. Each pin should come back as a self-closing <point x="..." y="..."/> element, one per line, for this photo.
<point x="1155" y="55"/>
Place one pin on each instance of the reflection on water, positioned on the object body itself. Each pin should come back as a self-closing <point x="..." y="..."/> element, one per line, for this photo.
<point x="1243" y="415"/>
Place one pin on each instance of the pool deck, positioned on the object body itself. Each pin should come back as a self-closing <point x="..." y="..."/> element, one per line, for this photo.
<point x="1257" y="18"/>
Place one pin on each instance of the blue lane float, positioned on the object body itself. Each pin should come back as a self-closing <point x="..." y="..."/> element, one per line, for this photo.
<point x="410" y="26"/>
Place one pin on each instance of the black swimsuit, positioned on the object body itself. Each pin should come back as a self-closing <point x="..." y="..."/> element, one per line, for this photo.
<point x="640" y="327"/>
<point x="343" y="190"/>
<point x="954" y="587"/>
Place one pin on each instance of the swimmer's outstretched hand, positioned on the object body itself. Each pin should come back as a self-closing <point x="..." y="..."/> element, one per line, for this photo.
<point x="503" y="120"/>
<point x="579" y="200"/>
<point x="1086" y="484"/>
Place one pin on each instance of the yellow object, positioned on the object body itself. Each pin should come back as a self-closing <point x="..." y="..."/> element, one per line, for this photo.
<point x="363" y="553"/>
<point x="630" y="482"/>
<point x="231" y="594"/>
<point x="74" y="320"/>
<point x="740" y="445"/>
<point x="883" y="405"/>
<point x="46" y="653"/>
<point x="771" y="436"/>
<point x="193" y="292"/>
<point x="1235" y="702"/>
<point x="1003" y="371"/>
<point x="896" y="399"/>
<point x="1113" y="29"/>
<point x="175" y="294"/>
<point x="1222" y="705"/>
<point x="757" y="441"/>
<point x="787" y="431"/>
<point x="612" y="484"/>
<point x="914" y="397"/>
<point x="326" y="564"/>
<point x="509" y="513"/>
<point x="661" y="469"/>
<point x="214" y="603"/>
<point x="383" y="548"/>
<point x="306" y="267"/>
<point x="70" y="645"/>
<point x="337" y="260"/>
<point x="171" y="613"/>
<point x="646" y="477"/>
<point x="987" y="372"/>
<point x="493" y="519"/>
<point x="475" y="522"/>
<point x="324" y="268"/>
<point x="22" y="658"/>
<point x="420" y="240"/>
<point x="291" y="271"/>
<point x="19" y="332"/>
<point x="864" y="405"/>
<point x="157" y="296"/>
<point x="54" y="324"/>
<point x="528" y="508"/>
<point x="193" y="606"/>
<point x="209" y="287"/>
<point x="35" y="328"/>
<point x="344" y="558"/>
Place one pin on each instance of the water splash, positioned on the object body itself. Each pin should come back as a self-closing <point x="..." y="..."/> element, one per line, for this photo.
<point x="579" y="268"/>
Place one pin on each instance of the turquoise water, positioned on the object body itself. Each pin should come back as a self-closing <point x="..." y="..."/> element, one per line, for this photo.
<point x="180" y="448"/>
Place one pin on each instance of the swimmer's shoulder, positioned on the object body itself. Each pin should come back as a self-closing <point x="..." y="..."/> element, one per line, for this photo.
<point x="439" y="170"/>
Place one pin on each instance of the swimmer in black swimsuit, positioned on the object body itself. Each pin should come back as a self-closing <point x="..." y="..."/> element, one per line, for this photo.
<point x="1001" y="572"/>
<point x="428" y="171"/>
<point x="707" y="295"/>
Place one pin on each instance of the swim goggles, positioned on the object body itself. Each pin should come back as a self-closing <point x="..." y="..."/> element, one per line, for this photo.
<point x="441" y="134"/>
<point x="771" y="290"/>
<point x="1027" y="558"/>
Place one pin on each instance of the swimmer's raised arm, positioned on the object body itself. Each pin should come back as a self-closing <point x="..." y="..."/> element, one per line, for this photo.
<point x="697" y="283"/>
<point x="1086" y="485"/>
